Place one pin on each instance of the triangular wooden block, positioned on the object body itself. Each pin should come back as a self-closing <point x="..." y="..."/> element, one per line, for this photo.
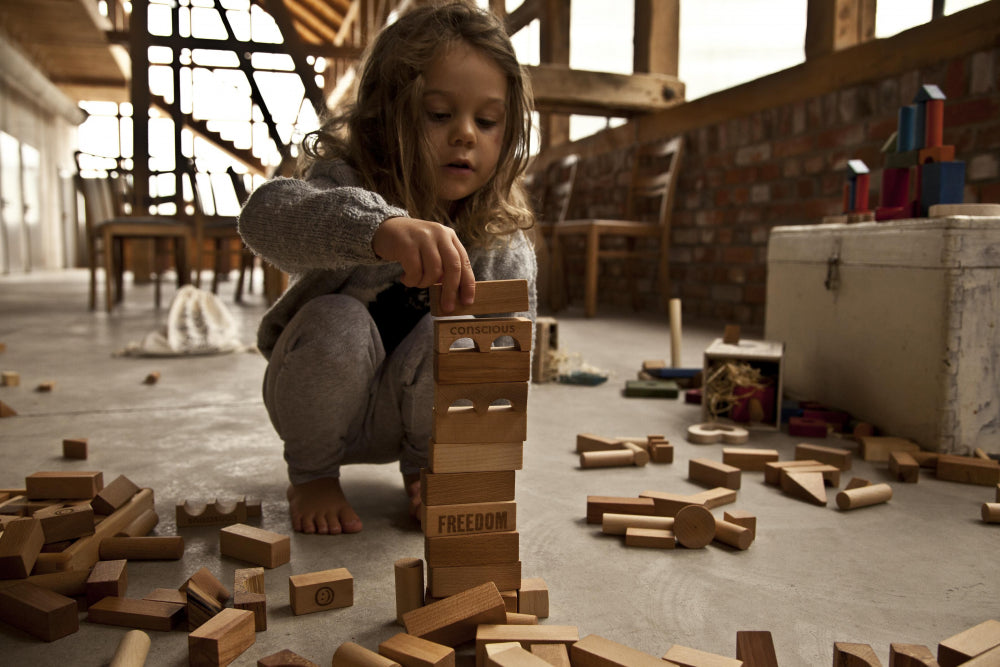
<point x="6" y="410"/>
<point x="854" y="655"/>
<point x="807" y="486"/>
<point x="911" y="655"/>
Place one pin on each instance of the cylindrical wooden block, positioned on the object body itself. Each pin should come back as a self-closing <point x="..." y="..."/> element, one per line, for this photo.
<point x="675" y="333"/>
<point x="132" y="650"/>
<point x="141" y="525"/>
<point x="170" y="547"/>
<point x="640" y="455"/>
<point x="734" y="535"/>
<point x="863" y="496"/>
<point x="617" y="524"/>
<point x="607" y="459"/>
<point x="353" y="655"/>
<point x="409" y="586"/>
<point x="991" y="512"/>
<point x="694" y="526"/>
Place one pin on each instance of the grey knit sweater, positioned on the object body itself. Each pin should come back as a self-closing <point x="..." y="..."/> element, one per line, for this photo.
<point x="320" y="229"/>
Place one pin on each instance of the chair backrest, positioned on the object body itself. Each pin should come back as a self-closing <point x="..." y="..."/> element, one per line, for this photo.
<point x="98" y="200"/>
<point x="654" y="179"/>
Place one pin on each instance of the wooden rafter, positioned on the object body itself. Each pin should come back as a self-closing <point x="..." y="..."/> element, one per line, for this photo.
<point x="559" y="89"/>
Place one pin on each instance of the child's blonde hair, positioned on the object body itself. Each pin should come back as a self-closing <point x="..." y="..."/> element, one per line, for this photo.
<point x="381" y="133"/>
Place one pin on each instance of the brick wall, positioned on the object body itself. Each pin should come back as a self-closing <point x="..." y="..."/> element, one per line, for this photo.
<point x="785" y="166"/>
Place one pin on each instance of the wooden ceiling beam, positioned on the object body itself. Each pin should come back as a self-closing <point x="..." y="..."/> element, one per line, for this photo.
<point x="318" y="29"/>
<point x="559" y="89"/>
<point x="323" y="11"/>
<point x="527" y="11"/>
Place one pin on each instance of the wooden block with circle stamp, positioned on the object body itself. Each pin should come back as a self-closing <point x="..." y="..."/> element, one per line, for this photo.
<point x="319" y="591"/>
<point x="711" y="432"/>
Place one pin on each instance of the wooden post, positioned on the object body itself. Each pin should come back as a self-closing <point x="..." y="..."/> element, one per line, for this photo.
<point x="656" y="43"/>
<point x="832" y="25"/>
<point x="554" y="50"/>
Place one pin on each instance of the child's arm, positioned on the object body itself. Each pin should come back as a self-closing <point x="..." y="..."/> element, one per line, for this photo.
<point x="429" y="253"/>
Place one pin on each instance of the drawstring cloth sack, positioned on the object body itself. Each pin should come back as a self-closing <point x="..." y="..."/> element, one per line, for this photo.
<point x="198" y="323"/>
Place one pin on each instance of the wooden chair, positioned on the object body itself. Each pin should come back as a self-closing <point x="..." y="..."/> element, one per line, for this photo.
<point x="109" y="226"/>
<point x="560" y="179"/>
<point x="652" y="184"/>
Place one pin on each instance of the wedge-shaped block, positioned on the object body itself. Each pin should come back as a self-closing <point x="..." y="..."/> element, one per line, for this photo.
<point x="20" y="543"/>
<point x="139" y="614"/>
<point x="526" y="635"/>
<point x="911" y="655"/>
<point x="556" y="655"/>
<point x="409" y="650"/>
<point x="76" y="485"/>
<point x="478" y="549"/>
<point x="285" y="658"/>
<point x="38" y="611"/>
<point x="114" y="495"/>
<point x="255" y="545"/>
<point x="807" y="486"/>
<point x="319" y="591"/>
<point x="475" y="456"/>
<point x="493" y="297"/>
<point x="454" y="620"/>
<point x="221" y="639"/>
<point x="107" y="578"/>
<point x="469" y="487"/>
<point x="484" y="333"/>
<point x="445" y="581"/>
<point x="469" y="518"/>
<point x="774" y="471"/>
<point x="854" y="655"/>
<point x="596" y="651"/>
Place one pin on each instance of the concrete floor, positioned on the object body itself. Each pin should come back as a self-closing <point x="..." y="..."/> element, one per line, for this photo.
<point x="916" y="570"/>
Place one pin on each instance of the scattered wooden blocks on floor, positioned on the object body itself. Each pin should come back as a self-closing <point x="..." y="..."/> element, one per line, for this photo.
<point x="968" y="644"/>
<point x="611" y="458"/>
<point x="38" y="611"/>
<point x="139" y="614"/>
<point x="877" y="448"/>
<point x="511" y="654"/>
<point x="689" y="657"/>
<point x="807" y="486"/>
<point x="904" y="467"/>
<point x="710" y="432"/>
<point x="255" y="545"/>
<point x="735" y="535"/>
<point x="74" y="448"/>
<point x="114" y="495"/>
<point x="911" y="655"/>
<point x="166" y="547"/>
<point x="319" y="591"/>
<point x="805" y="427"/>
<point x="132" y="650"/>
<point x="285" y="658"/>
<point x="774" y="471"/>
<point x="864" y="496"/>
<point x="714" y="473"/>
<point x="409" y="576"/>
<point x="525" y="635"/>
<point x="597" y="506"/>
<point x="588" y="442"/>
<point x="755" y="648"/>
<point x="66" y="521"/>
<point x="152" y="377"/>
<point x="968" y="470"/>
<point x="10" y="379"/>
<point x="6" y="410"/>
<point x="655" y="538"/>
<point x="107" y="578"/>
<point x="249" y="594"/>
<point x="617" y="524"/>
<point x="854" y="655"/>
<point x="555" y="655"/>
<point x="597" y="651"/>
<point x="409" y="650"/>
<point x="835" y="456"/>
<point x="991" y="512"/>
<point x="45" y="387"/>
<point x="221" y="639"/>
<point x="661" y="451"/>
<point x="694" y="527"/>
<point x="454" y="619"/>
<point x="748" y="459"/>
<point x="68" y="485"/>
<point x="208" y="514"/>
<point x="533" y="597"/>
<point x="20" y="543"/>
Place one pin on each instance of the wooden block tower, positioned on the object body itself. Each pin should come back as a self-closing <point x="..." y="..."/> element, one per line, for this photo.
<point x="480" y="424"/>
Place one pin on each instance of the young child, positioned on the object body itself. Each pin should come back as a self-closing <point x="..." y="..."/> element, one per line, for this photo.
<point x="417" y="183"/>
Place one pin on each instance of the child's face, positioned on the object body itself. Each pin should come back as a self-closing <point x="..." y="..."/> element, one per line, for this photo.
<point x="465" y="114"/>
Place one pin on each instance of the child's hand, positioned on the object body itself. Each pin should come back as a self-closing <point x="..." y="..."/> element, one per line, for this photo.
<point x="429" y="253"/>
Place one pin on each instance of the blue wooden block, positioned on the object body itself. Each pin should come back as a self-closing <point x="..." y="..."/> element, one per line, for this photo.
<point x="907" y="133"/>
<point x="941" y="183"/>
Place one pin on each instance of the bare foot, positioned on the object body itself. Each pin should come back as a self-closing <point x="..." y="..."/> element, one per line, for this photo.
<point x="320" y="506"/>
<point x="411" y="483"/>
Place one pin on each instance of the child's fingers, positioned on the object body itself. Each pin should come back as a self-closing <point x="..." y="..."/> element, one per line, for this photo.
<point x="467" y="279"/>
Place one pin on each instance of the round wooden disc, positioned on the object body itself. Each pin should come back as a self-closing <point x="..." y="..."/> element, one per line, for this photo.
<point x="694" y="526"/>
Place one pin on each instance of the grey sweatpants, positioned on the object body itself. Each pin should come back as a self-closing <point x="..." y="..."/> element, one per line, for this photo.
<point x="335" y="397"/>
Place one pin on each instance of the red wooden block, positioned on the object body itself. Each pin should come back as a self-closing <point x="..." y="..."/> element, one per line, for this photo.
<point x="807" y="428"/>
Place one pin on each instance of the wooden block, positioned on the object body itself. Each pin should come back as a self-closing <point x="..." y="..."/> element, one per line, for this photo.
<point x="483" y="422"/>
<point x="68" y="485"/>
<point x="20" y="543"/>
<point x="596" y="651"/>
<point x="588" y="442"/>
<point x="664" y="504"/>
<point x="968" y="644"/>
<point x="807" y="486"/>
<point x="132" y="613"/>
<point x="712" y="432"/>
<point x="409" y="575"/>
<point x="877" y="448"/>
<point x="640" y="454"/>
<point x="468" y="487"/>
<point x="835" y="456"/>
<point x="911" y="655"/>
<point x="10" y="379"/>
<point x="66" y="521"/>
<point x="208" y="584"/>
<point x="616" y="458"/>
<point x="661" y="452"/>
<point x="38" y="611"/>
<point x="742" y="518"/>
<point x="713" y="473"/>
<point x="617" y="524"/>
<point x="476" y="549"/>
<point x="926" y="459"/>
<point x="597" y="506"/>
<point x="445" y="581"/>
<point x="45" y="387"/>
<point x="210" y="514"/>
<point x="854" y="655"/>
<point x="712" y="498"/>
<point x="114" y="495"/>
<point x="201" y="604"/>
<point x="141" y="525"/>
<point x="469" y="518"/>
<point x="525" y="635"/>
<point x="475" y="457"/>
<point x="980" y="453"/>
<point x="171" y="595"/>
<point x="694" y="526"/>
<point x="285" y="658"/>
<point x="510" y="600"/>
<point x="864" y="496"/>
<point x="546" y="343"/>
<point x="904" y="467"/>
<point x="773" y="470"/>
<point x="533" y="597"/>
<point x="254" y="545"/>
<point x="108" y="578"/>
<point x="556" y="655"/>
<point x="968" y="470"/>
<point x="132" y="650"/>
<point x="805" y="427"/>
<point x="748" y="459"/>
<point x="511" y="654"/>
<point x="6" y="410"/>
<point x="416" y="652"/>
<point x="831" y="474"/>
<point x="453" y="620"/>
<point x="483" y="332"/>
<point x="514" y="618"/>
<point x="249" y="594"/>
<point x="988" y="659"/>
<point x="651" y="388"/>
<point x="74" y="448"/>
<point x="467" y="366"/>
<point x="152" y="377"/>
<point x="655" y="538"/>
<point x="221" y="639"/>
<point x="350" y="654"/>
<point x="493" y="297"/>
<point x="755" y="648"/>
<point x="167" y="547"/>
<point x="856" y="483"/>
<point x="991" y="512"/>
<point x="319" y="591"/>
<point x="690" y="657"/>
<point x="72" y="583"/>
<point x="735" y="535"/>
